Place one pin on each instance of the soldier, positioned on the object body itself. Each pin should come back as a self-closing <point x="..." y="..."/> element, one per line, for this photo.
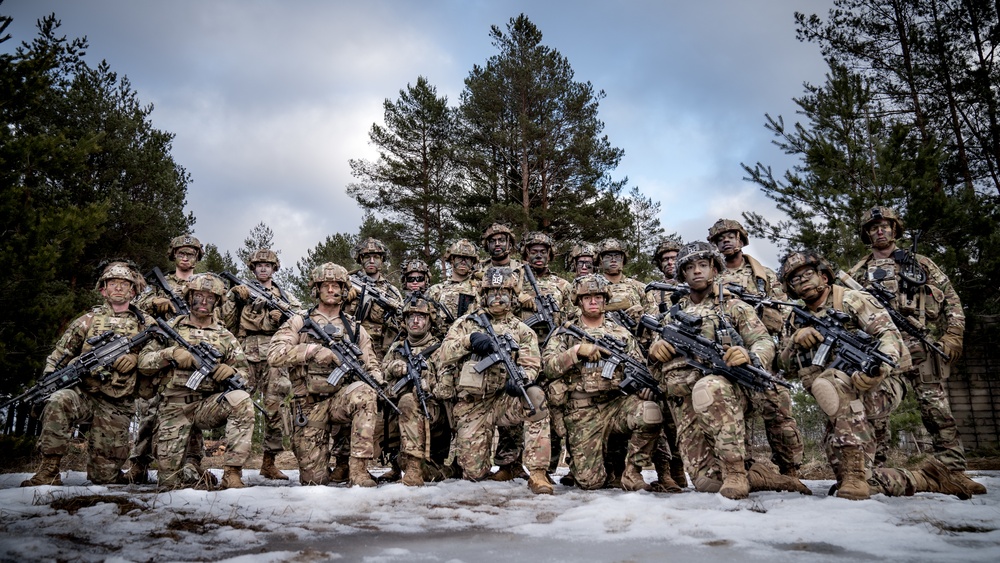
<point x="185" y="252"/>
<point x="419" y="435"/>
<point x="809" y="277"/>
<point x="105" y="400"/>
<point x="416" y="279"/>
<point x="580" y="259"/>
<point x="707" y="408"/>
<point x="380" y="323"/>
<point x="483" y="403"/>
<point x="457" y="294"/>
<point x="924" y="294"/>
<point x="317" y="404"/>
<point x="773" y="405"/>
<point x="254" y="324"/>
<point x="212" y="404"/>
<point x="664" y="258"/>
<point x="594" y="406"/>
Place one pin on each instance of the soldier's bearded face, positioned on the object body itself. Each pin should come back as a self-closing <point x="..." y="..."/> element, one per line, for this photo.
<point x="263" y="271"/>
<point x="372" y="263"/>
<point x="499" y="246"/>
<point x="668" y="264"/>
<point x="729" y="243"/>
<point x="202" y="304"/>
<point x="461" y="265"/>
<point x="118" y="292"/>
<point x="498" y="300"/>
<point x="538" y="256"/>
<point x="612" y="262"/>
<point x="699" y="274"/>
<point x="417" y="324"/>
<point x="592" y="305"/>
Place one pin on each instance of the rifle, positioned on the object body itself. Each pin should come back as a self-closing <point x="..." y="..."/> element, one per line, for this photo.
<point x="679" y="290"/>
<point x="621" y="318"/>
<point x="415" y="365"/>
<point x="545" y="307"/>
<point x="884" y="295"/>
<point x="684" y="334"/>
<point x="637" y="375"/>
<point x="369" y="293"/>
<point x="348" y="356"/>
<point x="262" y="293"/>
<point x="156" y="277"/>
<point x="503" y="350"/>
<point x="105" y="349"/>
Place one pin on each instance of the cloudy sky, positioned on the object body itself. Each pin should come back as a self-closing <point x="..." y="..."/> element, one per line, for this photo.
<point x="269" y="100"/>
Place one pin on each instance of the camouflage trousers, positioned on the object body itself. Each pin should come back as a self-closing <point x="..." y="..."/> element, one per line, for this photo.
<point x="107" y="439"/>
<point x="935" y="413"/>
<point x="710" y="426"/>
<point x="775" y="407"/>
<point x="352" y="406"/>
<point x="273" y="386"/>
<point x="880" y="403"/>
<point x="178" y="419"/>
<point x="847" y="422"/>
<point x="417" y="434"/>
<point x="475" y="423"/>
<point x="589" y="424"/>
<point x="510" y="444"/>
<point x="147" y="412"/>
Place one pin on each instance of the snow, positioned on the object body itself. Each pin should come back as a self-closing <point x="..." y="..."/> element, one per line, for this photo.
<point x="464" y="521"/>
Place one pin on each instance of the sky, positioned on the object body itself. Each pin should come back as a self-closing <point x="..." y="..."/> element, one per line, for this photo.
<point x="459" y="521"/>
<point x="268" y="101"/>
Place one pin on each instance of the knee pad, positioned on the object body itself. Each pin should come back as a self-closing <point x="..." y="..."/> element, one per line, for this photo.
<point x="826" y="395"/>
<point x="234" y="398"/>
<point x="702" y="396"/>
<point x="651" y="413"/>
<point x="537" y="396"/>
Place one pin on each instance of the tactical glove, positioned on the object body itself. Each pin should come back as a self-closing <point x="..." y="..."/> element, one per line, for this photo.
<point x="806" y="337"/>
<point x="527" y="301"/>
<point x="662" y="351"/>
<point x="863" y="382"/>
<point x="736" y="356"/>
<point x="325" y="357"/>
<point x="275" y="316"/>
<point x="241" y="292"/>
<point x="481" y="344"/>
<point x="951" y="342"/>
<point x="182" y="358"/>
<point x="163" y="307"/>
<point x="125" y="364"/>
<point x="635" y="312"/>
<point x="588" y="351"/>
<point x="396" y="368"/>
<point x="351" y="295"/>
<point x="223" y="372"/>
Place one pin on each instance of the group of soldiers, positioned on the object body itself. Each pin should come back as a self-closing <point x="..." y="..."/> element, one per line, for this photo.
<point x="506" y="363"/>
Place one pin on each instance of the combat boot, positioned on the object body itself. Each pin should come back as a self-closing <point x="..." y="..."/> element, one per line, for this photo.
<point x="762" y="479"/>
<point x="232" y="477"/>
<point x="358" y="471"/>
<point x="392" y="475"/>
<point x="413" y="473"/>
<point x="934" y="477"/>
<point x="853" y="485"/>
<point x="568" y="480"/>
<point x="538" y="482"/>
<point x="632" y="479"/>
<point x="270" y="471"/>
<point x="48" y="473"/>
<point x="664" y="482"/>
<point x="972" y="486"/>
<point x="340" y="473"/>
<point x="509" y="472"/>
<point x="138" y="474"/>
<point x="677" y="471"/>
<point x="734" y="480"/>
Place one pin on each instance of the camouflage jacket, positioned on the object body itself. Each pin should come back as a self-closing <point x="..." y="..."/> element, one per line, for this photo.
<point x="251" y="322"/>
<point x="561" y="361"/>
<point x="93" y="323"/>
<point x="381" y="325"/>
<point x="395" y="362"/>
<point x="559" y="289"/>
<point x="145" y="300"/>
<point x="448" y="293"/>
<point x="758" y="279"/>
<point x="155" y="358"/>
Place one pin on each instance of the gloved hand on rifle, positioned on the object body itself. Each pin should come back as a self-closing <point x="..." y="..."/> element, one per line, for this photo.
<point x="806" y="337"/>
<point x="126" y="363"/>
<point x="864" y="382"/>
<point x="396" y="368"/>
<point x="275" y="315"/>
<point x="736" y="356"/>
<point x="223" y="372"/>
<point x="588" y="351"/>
<point x="179" y="357"/>
<point x="527" y="301"/>
<point x="662" y="351"/>
<point x="951" y="343"/>
<point x="325" y="357"/>
<point x="163" y="307"/>
<point x="481" y="344"/>
<point x="635" y="312"/>
<point x="241" y="292"/>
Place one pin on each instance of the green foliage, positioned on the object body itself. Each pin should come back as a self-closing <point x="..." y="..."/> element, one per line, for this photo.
<point x="336" y="248"/>
<point x="261" y="236"/>
<point x="645" y="232"/>
<point x="216" y="262"/>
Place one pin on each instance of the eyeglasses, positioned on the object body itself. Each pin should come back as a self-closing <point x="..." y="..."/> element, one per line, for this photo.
<point x="806" y="275"/>
<point x="414" y="279"/>
<point x="186" y="254"/>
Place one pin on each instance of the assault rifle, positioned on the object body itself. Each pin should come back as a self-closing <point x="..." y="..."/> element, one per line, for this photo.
<point x="503" y="353"/>
<point x="105" y="349"/>
<point x="156" y="277"/>
<point x="415" y="365"/>
<point x="348" y="357"/>
<point x="637" y="375"/>
<point x="684" y="334"/>
<point x="260" y="292"/>
<point x="885" y="297"/>
<point x="621" y="318"/>
<point x="369" y="293"/>
<point x="545" y="307"/>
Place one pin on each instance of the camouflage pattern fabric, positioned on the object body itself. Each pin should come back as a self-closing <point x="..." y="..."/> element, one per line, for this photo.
<point x="380" y="326"/>
<point x="475" y="422"/>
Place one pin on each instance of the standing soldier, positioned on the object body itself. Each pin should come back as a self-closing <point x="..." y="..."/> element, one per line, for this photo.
<point x="849" y="440"/>
<point x="483" y="402"/>
<point x="213" y="403"/>
<point x="594" y="405"/>
<point x="423" y="423"/>
<point x="318" y="404"/>
<point x="708" y="408"/>
<point x="254" y="324"/>
<point x="459" y="292"/>
<point x="185" y="252"/>
<point x="921" y="292"/>
<point x="773" y="405"/>
<point x="378" y="320"/>
<point x="580" y="259"/>
<point x="664" y="258"/>
<point x="105" y="399"/>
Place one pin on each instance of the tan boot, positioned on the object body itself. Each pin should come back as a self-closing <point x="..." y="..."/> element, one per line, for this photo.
<point x="232" y="477"/>
<point x="538" y="482"/>
<point x="677" y="472"/>
<point x="763" y="479"/>
<point x="138" y="474"/>
<point x="270" y="471"/>
<point x="934" y="477"/>
<point x="340" y="473"/>
<point x="359" y="475"/>
<point x="665" y="484"/>
<point x="413" y="473"/>
<point x="972" y="486"/>
<point x="707" y="485"/>
<point x="509" y="472"/>
<point x="48" y="473"/>
<point x="734" y="480"/>
<point x="393" y="475"/>
<point x="632" y="479"/>
<point x="853" y="485"/>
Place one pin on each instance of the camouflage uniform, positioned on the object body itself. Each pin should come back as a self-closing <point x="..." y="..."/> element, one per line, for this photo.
<point x="381" y="326"/>
<point x="448" y="293"/>
<point x="207" y="407"/>
<point x="595" y="407"/>
<point x="482" y="403"/>
<point x="107" y="405"/>
<point x="317" y="405"/>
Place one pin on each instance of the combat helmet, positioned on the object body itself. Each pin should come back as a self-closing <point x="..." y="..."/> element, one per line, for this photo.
<point x="533" y="238"/>
<point x="590" y="284"/>
<point x="370" y="246"/>
<point x="497" y="277"/>
<point x="415" y="265"/>
<point x="182" y="241"/>
<point x="796" y="259"/>
<point x="122" y="270"/>
<point x="416" y="304"/>
<point x="698" y="250"/>
<point x="461" y="247"/>
<point x="612" y="245"/>
<point x="877" y="213"/>
<point x="328" y="272"/>
<point x="579" y="250"/>
<point x="205" y="282"/>
<point x="264" y="255"/>
<point x="726" y="225"/>
<point x="497" y="229"/>
<point x="669" y="244"/>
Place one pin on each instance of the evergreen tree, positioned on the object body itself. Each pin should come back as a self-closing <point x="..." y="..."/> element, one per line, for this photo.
<point x="645" y="233"/>
<point x="216" y="262"/>
<point x="261" y="236"/>
<point x="337" y="248"/>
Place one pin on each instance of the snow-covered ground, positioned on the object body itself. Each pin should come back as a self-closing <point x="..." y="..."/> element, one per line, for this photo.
<point x="463" y="521"/>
